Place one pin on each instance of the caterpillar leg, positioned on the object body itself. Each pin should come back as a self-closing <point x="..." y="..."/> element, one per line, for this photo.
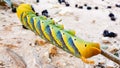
<point x="24" y="27"/>
<point x="40" y="42"/>
<point x="87" y="61"/>
<point x="52" y="51"/>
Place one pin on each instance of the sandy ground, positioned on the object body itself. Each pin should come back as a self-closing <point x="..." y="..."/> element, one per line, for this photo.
<point x="17" y="45"/>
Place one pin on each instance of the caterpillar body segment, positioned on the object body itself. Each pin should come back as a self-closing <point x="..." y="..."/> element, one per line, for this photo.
<point x="56" y="34"/>
<point x="30" y="21"/>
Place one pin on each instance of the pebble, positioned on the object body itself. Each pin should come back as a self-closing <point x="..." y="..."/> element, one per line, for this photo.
<point x="99" y="66"/>
<point x="117" y="5"/>
<point x="109" y="7"/>
<point x="14" y="10"/>
<point x="46" y="57"/>
<point x="96" y="7"/>
<point x="80" y="7"/>
<point x="89" y="8"/>
<point x="116" y="54"/>
<point x="110" y="65"/>
<point x="112" y="34"/>
<point x="85" y="4"/>
<point x="105" y="40"/>
<point x="76" y="5"/>
<point x="111" y="15"/>
<point x="104" y="47"/>
<point x="113" y="49"/>
<point x="61" y="1"/>
<point x="106" y="33"/>
<point x="45" y="13"/>
<point x="67" y="4"/>
<point x="37" y="1"/>
<point x="113" y="19"/>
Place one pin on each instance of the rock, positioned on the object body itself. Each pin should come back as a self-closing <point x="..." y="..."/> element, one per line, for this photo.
<point x="47" y="58"/>
<point x="100" y="65"/>
<point x="113" y="49"/>
<point x="105" y="40"/>
<point x="104" y="47"/>
<point x="14" y="10"/>
<point x="110" y="65"/>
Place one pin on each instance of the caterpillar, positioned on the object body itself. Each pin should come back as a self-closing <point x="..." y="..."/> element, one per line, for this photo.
<point x="54" y="33"/>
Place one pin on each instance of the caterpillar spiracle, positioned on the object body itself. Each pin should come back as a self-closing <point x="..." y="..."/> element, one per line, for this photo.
<point x="56" y="34"/>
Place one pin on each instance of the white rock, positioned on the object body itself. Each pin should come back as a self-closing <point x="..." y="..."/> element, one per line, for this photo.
<point x="46" y="56"/>
<point x="110" y="64"/>
<point x="105" y="40"/>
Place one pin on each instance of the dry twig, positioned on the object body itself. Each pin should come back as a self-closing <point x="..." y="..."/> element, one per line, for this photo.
<point x="110" y="56"/>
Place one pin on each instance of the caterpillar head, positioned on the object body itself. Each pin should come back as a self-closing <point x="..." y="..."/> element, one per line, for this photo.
<point x="87" y="49"/>
<point x="24" y="8"/>
<point x="90" y="49"/>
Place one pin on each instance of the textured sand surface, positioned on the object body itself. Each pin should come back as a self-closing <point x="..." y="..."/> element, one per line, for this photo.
<point x="17" y="45"/>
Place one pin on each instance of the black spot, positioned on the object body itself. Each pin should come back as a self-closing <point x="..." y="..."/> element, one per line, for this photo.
<point x="113" y="19"/>
<point x="111" y="15"/>
<point x="74" y="39"/>
<point x="85" y="45"/>
<point x="112" y="34"/>
<point x="61" y="1"/>
<point x="30" y="44"/>
<point x="96" y="7"/>
<point x="89" y="8"/>
<point x="67" y="4"/>
<point x="45" y="13"/>
<point x="76" y="5"/>
<point x="117" y="5"/>
<point x="106" y="33"/>
<point x="109" y="7"/>
<point x="37" y="1"/>
<point x="85" y="4"/>
<point x="116" y="54"/>
<point x="80" y="7"/>
<point x="14" y="10"/>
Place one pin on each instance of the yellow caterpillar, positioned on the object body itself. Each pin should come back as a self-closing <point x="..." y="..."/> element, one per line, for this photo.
<point x="56" y="34"/>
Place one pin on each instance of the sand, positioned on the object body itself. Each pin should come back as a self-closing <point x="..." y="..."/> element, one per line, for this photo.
<point x="17" y="45"/>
